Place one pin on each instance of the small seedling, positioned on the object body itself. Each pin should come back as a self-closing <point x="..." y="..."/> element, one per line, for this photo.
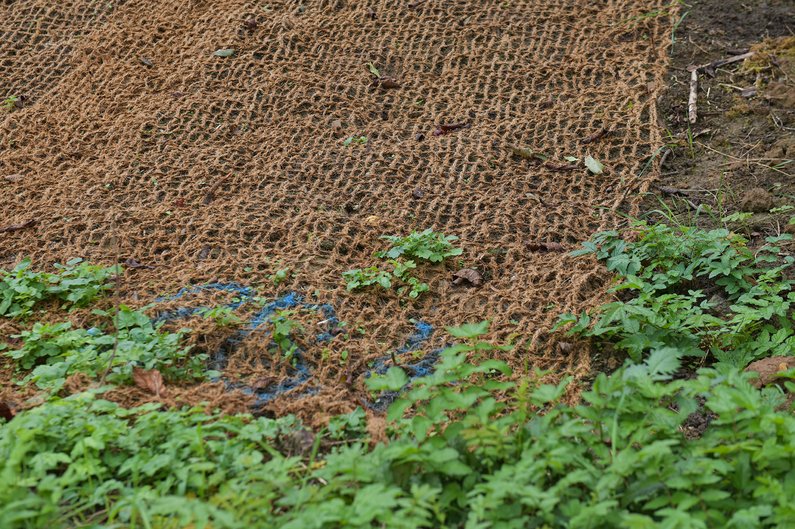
<point x="222" y="316"/>
<point x="360" y="140"/>
<point x="10" y="102"/>
<point x="283" y="327"/>
<point x="280" y="276"/>
<point x="426" y="245"/>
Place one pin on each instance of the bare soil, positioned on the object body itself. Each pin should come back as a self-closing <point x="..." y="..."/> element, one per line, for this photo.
<point x="738" y="156"/>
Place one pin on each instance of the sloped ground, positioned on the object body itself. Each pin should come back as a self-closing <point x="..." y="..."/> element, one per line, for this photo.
<point x="207" y="141"/>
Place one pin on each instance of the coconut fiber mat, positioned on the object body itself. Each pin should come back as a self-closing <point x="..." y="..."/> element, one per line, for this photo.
<point x="212" y="144"/>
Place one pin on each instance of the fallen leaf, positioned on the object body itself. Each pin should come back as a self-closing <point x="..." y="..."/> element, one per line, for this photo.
<point x="560" y="167"/>
<point x="146" y="61"/>
<point x="132" y="263"/>
<point x="387" y="82"/>
<point x="20" y="226"/>
<point x="6" y="412"/>
<point x="227" y="52"/>
<point x="571" y="158"/>
<point x="13" y="178"/>
<point x="596" y="136"/>
<point x="527" y="154"/>
<point x="546" y="247"/>
<point x="467" y="275"/>
<point x="151" y="380"/>
<point x="373" y="69"/>
<point x="769" y="368"/>
<point x="594" y="165"/>
<point x="565" y="347"/>
<point x="446" y="128"/>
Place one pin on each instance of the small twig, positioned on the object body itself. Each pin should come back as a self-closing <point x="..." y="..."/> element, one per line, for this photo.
<point x="714" y="65"/>
<point x="664" y="157"/>
<point x="596" y="136"/>
<point x="692" y="110"/>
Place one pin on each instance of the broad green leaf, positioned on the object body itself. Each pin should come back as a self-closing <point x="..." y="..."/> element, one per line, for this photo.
<point x="469" y="330"/>
<point x="393" y="380"/>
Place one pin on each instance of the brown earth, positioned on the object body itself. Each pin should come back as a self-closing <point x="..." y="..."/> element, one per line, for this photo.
<point x="738" y="156"/>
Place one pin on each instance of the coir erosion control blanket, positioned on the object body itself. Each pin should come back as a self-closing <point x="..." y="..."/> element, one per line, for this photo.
<point x="218" y="142"/>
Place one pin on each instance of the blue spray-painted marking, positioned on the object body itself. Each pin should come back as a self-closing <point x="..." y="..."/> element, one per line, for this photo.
<point x="245" y="294"/>
<point x="420" y="368"/>
<point x="301" y="371"/>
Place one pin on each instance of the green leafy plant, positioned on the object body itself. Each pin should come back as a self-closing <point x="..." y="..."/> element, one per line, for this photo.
<point x="425" y="246"/>
<point x="283" y="328"/>
<point x="53" y="352"/>
<point x="694" y="291"/>
<point x="359" y="140"/>
<point x="222" y="316"/>
<point x="280" y="276"/>
<point x="9" y="103"/>
<point x="76" y="284"/>
<point x="365" y="277"/>
<point x="475" y="451"/>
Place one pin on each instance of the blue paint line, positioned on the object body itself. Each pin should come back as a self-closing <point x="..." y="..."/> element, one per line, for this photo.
<point x="301" y="370"/>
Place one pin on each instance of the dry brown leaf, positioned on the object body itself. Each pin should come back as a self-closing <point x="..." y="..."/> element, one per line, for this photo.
<point x="151" y="380"/>
<point x="6" y="411"/>
<point x="768" y="368"/>
<point x="20" y="226"/>
<point x="565" y="347"/>
<point x="546" y="247"/>
<point x="131" y="262"/>
<point x="468" y="275"/>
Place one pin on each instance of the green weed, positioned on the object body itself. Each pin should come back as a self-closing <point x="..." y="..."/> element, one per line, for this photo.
<point x="75" y="283"/>
<point x="423" y="246"/>
<point x="474" y="452"/>
<point x="53" y="352"/>
<point x="9" y="103"/>
<point x="222" y="316"/>
<point x="693" y="291"/>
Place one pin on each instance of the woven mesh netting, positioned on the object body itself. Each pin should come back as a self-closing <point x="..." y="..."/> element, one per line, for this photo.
<point x="133" y="139"/>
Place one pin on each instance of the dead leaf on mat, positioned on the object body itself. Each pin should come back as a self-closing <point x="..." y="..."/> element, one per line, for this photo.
<point x="151" y="380"/>
<point x="6" y="412"/>
<point x="546" y="247"/>
<point x="468" y="275"/>
<point x="131" y="262"/>
<point x="20" y="226"/>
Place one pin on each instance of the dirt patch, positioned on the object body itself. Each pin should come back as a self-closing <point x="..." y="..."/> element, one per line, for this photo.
<point x="738" y="156"/>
